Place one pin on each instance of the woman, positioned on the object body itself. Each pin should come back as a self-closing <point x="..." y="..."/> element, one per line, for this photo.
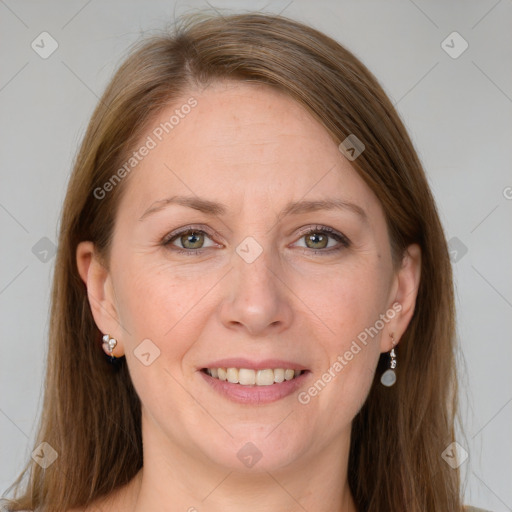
<point x="249" y="236"/>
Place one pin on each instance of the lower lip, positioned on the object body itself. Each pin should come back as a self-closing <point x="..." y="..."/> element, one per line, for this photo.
<point x="255" y="394"/>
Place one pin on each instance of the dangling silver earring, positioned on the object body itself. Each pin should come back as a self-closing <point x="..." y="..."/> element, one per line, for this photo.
<point x="109" y="344"/>
<point x="389" y="376"/>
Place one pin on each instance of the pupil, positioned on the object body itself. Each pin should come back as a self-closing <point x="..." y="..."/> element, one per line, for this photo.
<point x="193" y="239"/>
<point x="315" y="239"/>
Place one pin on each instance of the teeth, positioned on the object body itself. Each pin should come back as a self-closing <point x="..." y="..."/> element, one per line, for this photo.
<point x="248" y="377"/>
<point x="232" y="375"/>
<point x="265" y="377"/>
<point x="278" y="375"/>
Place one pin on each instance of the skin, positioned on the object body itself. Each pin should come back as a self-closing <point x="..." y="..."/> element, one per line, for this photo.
<point x="254" y="150"/>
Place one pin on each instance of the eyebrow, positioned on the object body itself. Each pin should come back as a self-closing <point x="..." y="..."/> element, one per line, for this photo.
<point x="293" y="208"/>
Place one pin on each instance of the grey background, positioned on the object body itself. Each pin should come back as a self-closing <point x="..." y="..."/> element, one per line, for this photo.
<point x="458" y="112"/>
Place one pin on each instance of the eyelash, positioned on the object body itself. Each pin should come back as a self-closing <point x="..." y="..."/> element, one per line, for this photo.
<point x="344" y="242"/>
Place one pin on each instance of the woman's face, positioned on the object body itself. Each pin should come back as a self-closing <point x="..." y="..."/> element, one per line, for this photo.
<point x="212" y="267"/>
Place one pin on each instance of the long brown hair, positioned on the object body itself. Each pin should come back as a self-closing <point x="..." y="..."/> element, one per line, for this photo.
<point x="91" y="414"/>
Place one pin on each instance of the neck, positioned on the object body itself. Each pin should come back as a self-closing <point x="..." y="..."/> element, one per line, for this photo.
<point x="235" y="492"/>
<point x="173" y="477"/>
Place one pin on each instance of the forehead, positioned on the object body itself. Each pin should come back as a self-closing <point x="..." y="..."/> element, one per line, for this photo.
<point x="242" y="141"/>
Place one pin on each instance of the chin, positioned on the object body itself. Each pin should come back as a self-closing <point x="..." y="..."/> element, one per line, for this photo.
<point x="249" y="452"/>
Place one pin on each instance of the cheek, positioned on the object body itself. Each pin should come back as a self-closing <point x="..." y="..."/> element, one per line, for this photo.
<point x="155" y="300"/>
<point x="169" y="307"/>
<point x="347" y="299"/>
<point x="351" y="307"/>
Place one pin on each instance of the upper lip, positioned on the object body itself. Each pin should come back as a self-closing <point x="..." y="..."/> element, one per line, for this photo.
<point x="264" y="364"/>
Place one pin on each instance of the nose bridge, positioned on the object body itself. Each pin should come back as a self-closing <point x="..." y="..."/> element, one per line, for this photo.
<point x="258" y="300"/>
<point x="255" y="268"/>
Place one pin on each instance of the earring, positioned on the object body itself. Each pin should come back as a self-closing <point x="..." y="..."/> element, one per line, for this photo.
<point x="109" y="344"/>
<point x="389" y="376"/>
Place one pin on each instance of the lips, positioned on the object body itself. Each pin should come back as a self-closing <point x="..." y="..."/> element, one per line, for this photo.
<point x="251" y="382"/>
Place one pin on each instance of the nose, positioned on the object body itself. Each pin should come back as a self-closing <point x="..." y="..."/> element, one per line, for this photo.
<point x="257" y="299"/>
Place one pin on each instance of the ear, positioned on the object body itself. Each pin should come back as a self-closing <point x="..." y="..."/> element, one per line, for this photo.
<point x="403" y="296"/>
<point x="100" y="292"/>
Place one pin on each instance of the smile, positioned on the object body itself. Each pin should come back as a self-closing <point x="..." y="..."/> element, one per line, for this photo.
<point x="250" y="377"/>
